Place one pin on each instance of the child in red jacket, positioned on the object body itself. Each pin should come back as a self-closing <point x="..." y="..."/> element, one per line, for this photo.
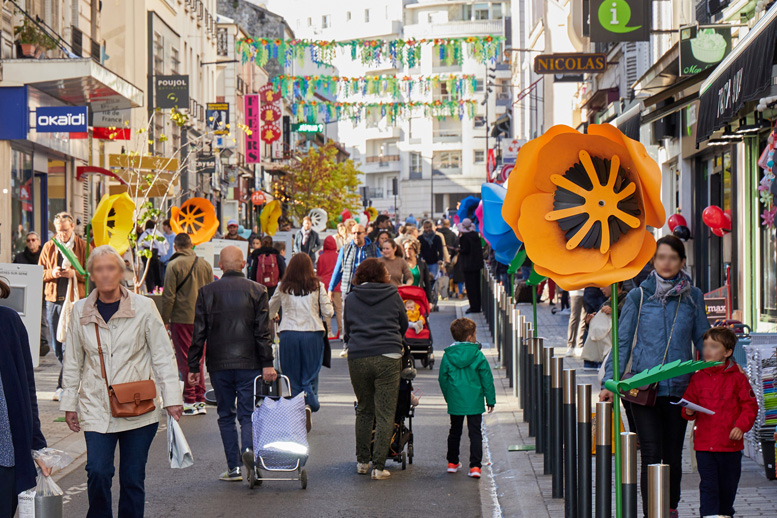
<point x="718" y="438"/>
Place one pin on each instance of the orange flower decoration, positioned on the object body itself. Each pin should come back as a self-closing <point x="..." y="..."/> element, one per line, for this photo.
<point x="196" y="217"/>
<point x="581" y="205"/>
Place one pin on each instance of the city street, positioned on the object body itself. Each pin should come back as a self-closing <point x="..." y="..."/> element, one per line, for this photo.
<point x="334" y="488"/>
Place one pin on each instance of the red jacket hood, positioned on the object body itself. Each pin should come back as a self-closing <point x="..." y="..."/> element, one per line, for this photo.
<point x="330" y="244"/>
<point x="727" y="392"/>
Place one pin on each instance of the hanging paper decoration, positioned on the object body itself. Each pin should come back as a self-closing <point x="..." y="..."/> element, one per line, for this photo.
<point x="113" y="222"/>
<point x="767" y="185"/>
<point x="270" y="133"/>
<point x="385" y="85"/>
<point x="269" y="217"/>
<point x="582" y="203"/>
<point x="308" y="111"/>
<point x="270" y="113"/>
<point x="398" y="52"/>
<point x="196" y="217"/>
<point x="371" y="213"/>
<point x="495" y="230"/>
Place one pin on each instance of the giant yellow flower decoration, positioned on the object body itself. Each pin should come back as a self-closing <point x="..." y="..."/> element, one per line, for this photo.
<point x="581" y="204"/>
<point x="112" y="221"/>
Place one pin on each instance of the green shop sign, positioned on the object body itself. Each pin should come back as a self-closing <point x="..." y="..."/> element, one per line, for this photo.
<point x="703" y="47"/>
<point x="620" y="20"/>
<point x="307" y="127"/>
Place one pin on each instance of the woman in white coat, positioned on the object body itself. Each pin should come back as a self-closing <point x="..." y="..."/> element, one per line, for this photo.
<point x="135" y="347"/>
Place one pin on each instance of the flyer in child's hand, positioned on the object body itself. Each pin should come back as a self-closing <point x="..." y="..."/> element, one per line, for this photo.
<point x="693" y="406"/>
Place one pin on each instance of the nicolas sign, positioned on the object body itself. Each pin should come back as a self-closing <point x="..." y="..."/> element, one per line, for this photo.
<point x="570" y="63"/>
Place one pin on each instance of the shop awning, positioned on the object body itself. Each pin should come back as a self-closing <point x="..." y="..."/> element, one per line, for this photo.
<point x="628" y="122"/>
<point x="740" y="78"/>
<point x="74" y="81"/>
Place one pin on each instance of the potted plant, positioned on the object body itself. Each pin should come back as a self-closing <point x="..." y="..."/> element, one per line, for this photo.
<point x="32" y="42"/>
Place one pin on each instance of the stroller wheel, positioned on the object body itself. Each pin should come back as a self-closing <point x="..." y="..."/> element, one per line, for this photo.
<point x="254" y="478"/>
<point x="404" y="460"/>
<point x="410" y="453"/>
<point x="431" y="365"/>
<point x="303" y="479"/>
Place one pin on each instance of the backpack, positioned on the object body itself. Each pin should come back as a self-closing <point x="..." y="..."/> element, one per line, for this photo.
<point x="267" y="271"/>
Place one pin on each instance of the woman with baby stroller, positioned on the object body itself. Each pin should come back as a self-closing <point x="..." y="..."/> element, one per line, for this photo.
<point x="374" y="323"/>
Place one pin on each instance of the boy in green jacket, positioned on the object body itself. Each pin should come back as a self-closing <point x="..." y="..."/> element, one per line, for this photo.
<point x="466" y="380"/>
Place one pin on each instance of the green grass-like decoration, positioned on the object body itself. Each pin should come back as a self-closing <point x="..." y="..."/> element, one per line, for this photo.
<point x="658" y="373"/>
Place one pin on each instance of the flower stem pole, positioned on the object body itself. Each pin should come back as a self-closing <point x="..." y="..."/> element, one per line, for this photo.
<point x="616" y="403"/>
<point x="86" y="259"/>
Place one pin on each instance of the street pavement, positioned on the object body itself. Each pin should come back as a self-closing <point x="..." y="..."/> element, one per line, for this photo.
<point x="334" y="488"/>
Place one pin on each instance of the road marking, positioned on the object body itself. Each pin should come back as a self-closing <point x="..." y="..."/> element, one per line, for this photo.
<point x="495" y="507"/>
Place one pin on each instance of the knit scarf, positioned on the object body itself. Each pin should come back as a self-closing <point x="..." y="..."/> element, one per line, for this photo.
<point x="69" y="245"/>
<point x="674" y="287"/>
<point x="429" y="238"/>
<point x="305" y="236"/>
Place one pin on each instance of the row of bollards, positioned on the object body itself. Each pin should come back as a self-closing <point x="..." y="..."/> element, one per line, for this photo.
<point x="558" y="413"/>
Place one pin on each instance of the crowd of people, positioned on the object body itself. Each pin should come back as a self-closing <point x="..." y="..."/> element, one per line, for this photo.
<point x="103" y="355"/>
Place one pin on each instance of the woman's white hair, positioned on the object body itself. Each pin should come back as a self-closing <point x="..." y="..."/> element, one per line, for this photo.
<point x="101" y="251"/>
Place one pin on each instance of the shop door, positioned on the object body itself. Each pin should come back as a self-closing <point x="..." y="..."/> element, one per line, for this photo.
<point x="41" y="202"/>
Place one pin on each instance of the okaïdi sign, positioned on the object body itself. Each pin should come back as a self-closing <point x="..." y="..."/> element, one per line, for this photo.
<point x="70" y="119"/>
<point x="570" y="63"/>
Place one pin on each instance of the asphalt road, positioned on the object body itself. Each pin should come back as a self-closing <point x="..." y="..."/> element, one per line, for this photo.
<point x="334" y="488"/>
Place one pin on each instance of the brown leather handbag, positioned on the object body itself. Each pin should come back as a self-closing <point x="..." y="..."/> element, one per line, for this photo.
<point x="127" y="399"/>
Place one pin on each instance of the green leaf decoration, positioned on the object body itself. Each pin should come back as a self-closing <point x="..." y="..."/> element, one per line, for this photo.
<point x="658" y="373"/>
<point x="70" y="257"/>
<point x="535" y="279"/>
<point x="515" y="264"/>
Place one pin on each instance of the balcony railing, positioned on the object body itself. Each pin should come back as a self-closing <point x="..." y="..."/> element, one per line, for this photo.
<point x="382" y="160"/>
<point x="376" y="193"/>
<point x="446" y="135"/>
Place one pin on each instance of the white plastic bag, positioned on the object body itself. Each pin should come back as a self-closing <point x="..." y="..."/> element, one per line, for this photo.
<point x="177" y="447"/>
<point x="67" y="310"/>
<point x="45" y="501"/>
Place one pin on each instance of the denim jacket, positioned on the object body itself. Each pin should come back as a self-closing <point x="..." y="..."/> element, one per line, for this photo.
<point x="655" y="327"/>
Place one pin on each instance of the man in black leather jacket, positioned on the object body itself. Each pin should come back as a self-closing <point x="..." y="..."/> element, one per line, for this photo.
<point x="232" y="316"/>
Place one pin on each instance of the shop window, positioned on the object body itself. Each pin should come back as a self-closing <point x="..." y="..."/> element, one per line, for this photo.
<point x="768" y="261"/>
<point x="481" y="11"/>
<point x="57" y="192"/>
<point x="416" y="166"/>
<point x="22" y="196"/>
<point x="479" y="156"/>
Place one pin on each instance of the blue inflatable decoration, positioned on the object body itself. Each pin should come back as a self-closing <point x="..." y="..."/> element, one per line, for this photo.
<point x="495" y="230"/>
<point x="467" y="208"/>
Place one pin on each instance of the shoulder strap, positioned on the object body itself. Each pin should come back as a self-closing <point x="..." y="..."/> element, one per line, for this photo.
<point x="185" y="279"/>
<point x="671" y="333"/>
<point x="636" y="329"/>
<point x="100" y="352"/>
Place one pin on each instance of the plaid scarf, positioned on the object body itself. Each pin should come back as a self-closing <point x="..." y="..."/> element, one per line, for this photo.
<point x="674" y="287"/>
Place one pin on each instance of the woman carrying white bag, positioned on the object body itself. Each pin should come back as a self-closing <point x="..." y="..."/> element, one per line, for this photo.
<point x="118" y="359"/>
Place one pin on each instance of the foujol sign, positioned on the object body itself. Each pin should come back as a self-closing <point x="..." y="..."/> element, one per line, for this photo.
<point x="570" y="63"/>
<point x="171" y="91"/>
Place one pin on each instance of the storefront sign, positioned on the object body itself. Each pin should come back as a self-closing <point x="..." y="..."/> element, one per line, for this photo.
<point x="111" y="119"/>
<point x="206" y="163"/>
<point x="271" y="113"/>
<point x="171" y="91"/>
<point x="716" y="308"/>
<point x="269" y="94"/>
<point x="57" y="119"/>
<point x="15" y="124"/>
<point x="620" y="20"/>
<point x="217" y="118"/>
<point x="307" y="127"/>
<point x="111" y="133"/>
<point x="148" y="163"/>
<point x="570" y="63"/>
<point x="257" y="198"/>
<point x="253" y="141"/>
<point x="270" y="133"/>
<point x="703" y="48"/>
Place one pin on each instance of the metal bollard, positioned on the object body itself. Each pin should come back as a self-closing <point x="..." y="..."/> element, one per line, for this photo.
<point x="517" y="337"/>
<point x="497" y="325"/>
<point x="525" y="341"/>
<point x="557" y="425"/>
<point x="547" y="359"/>
<point x="629" y="474"/>
<point x="658" y="491"/>
<point x="509" y="339"/>
<point x="539" y="409"/>
<point x="570" y="444"/>
<point x="603" y="460"/>
<point x="530" y="386"/>
<point x="584" y="482"/>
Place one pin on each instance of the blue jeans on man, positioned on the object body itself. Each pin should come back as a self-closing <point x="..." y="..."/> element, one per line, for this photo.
<point x="229" y="385"/>
<point x="53" y="312"/>
<point x="133" y="455"/>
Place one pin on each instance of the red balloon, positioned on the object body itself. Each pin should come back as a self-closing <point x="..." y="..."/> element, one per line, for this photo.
<point x="714" y="217"/>
<point x="346" y="214"/>
<point x="675" y="220"/>
<point x="727" y="226"/>
<point x="718" y="232"/>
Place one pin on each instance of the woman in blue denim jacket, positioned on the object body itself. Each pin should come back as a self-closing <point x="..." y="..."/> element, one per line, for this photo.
<point x="672" y="319"/>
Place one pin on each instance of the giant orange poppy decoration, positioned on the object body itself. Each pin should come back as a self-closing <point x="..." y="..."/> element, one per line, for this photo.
<point x="196" y="217"/>
<point x="581" y="203"/>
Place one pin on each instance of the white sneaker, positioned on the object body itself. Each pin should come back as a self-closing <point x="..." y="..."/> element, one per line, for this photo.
<point x="362" y="468"/>
<point x="57" y="395"/>
<point x="565" y="312"/>
<point x="380" y="474"/>
<point x="344" y="353"/>
<point x="190" y="409"/>
<point x="569" y="352"/>
<point x="578" y="352"/>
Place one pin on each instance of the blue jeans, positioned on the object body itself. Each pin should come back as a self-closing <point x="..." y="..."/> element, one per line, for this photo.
<point x="228" y="385"/>
<point x="301" y="354"/>
<point x="53" y="311"/>
<point x="133" y="454"/>
<point x="433" y="269"/>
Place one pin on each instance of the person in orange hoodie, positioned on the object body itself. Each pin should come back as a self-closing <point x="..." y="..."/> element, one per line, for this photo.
<point x="725" y="391"/>
<point x="325" y="267"/>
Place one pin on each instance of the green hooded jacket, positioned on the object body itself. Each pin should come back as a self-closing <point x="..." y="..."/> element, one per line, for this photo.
<point x="466" y="380"/>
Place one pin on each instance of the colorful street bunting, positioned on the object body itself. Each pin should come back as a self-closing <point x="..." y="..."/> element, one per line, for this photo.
<point x="387" y="85"/>
<point x="333" y="110"/>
